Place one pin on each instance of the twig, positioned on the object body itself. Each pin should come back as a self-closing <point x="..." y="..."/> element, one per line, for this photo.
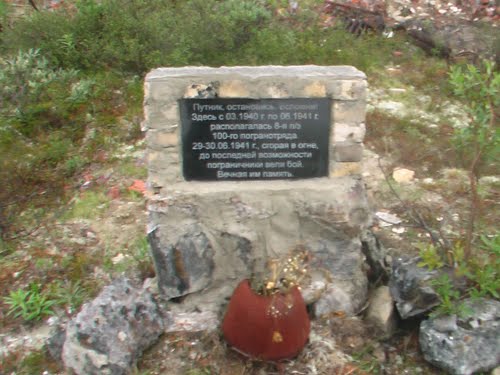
<point x="416" y="216"/>
<point x="32" y="3"/>
<point x="351" y="7"/>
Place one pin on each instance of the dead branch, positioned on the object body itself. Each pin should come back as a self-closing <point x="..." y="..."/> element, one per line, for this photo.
<point x="354" y="8"/>
<point x="437" y="238"/>
<point x="33" y="5"/>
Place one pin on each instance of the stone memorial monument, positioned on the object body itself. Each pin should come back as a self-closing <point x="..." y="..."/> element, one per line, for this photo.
<point x="244" y="164"/>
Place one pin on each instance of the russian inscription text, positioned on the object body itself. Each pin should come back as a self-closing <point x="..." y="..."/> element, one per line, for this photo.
<point x="255" y="139"/>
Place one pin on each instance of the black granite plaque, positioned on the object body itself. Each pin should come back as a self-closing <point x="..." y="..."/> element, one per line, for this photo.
<point x="255" y="139"/>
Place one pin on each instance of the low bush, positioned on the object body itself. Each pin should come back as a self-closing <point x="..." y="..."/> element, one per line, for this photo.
<point x="30" y="304"/>
<point x="135" y="36"/>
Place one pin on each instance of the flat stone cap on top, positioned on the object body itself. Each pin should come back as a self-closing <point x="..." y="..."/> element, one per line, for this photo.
<point x="332" y="72"/>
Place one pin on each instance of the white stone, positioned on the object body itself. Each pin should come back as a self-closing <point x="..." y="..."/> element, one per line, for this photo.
<point x="398" y="230"/>
<point x="391" y="106"/>
<point x="403" y="175"/>
<point x="118" y="258"/>
<point x="381" y="312"/>
<point x="192" y="322"/>
<point x="387" y="219"/>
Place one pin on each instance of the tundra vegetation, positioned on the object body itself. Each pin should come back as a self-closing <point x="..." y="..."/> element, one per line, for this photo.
<point x="70" y="112"/>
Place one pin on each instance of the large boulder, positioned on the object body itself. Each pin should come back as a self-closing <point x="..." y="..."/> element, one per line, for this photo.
<point x="111" y="332"/>
<point x="463" y="346"/>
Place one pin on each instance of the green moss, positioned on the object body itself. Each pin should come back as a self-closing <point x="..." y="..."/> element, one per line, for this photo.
<point x="88" y="205"/>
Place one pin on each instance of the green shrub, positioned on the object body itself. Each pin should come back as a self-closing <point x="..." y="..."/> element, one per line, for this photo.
<point x="137" y="35"/>
<point x="42" y="119"/>
<point x="69" y="294"/>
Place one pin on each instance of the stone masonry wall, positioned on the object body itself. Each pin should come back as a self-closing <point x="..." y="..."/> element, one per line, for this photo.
<point x="205" y="236"/>
<point x="345" y="85"/>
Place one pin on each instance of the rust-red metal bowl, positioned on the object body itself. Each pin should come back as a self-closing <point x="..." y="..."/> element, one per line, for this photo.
<point x="269" y="328"/>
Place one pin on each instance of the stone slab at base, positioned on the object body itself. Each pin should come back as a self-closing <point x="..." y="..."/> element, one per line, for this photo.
<point x="208" y="236"/>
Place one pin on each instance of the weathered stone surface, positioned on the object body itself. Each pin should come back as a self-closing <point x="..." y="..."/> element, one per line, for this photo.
<point x="345" y="169"/>
<point x="55" y="343"/>
<point x="315" y="288"/>
<point x="464" y="346"/>
<point x="351" y="133"/>
<point x="403" y="175"/>
<point x="185" y="265"/>
<point x="375" y="257"/>
<point x="111" y="332"/>
<point x="206" y="236"/>
<point x="348" y="90"/>
<point x="206" y="321"/>
<point x="381" y="311"/>
<point x="238" y="223"/>
<point x="350" y="112"/>
<point x="456" y="39"/>
<point x="348" y="151"/>
<point x="410" y="287"/>
<point x="346" y="284"/>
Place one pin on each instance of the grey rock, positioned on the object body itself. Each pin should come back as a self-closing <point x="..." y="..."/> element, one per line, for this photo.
<point x="376" y="255"/>
<point x="411" y="288"/>
<point x="348" y="151"/>
<point x="314" y="289"/>
<point x="469" y="346"/>
<point x="111" y="332"/>
<point x="381" y="311"/>
<point x="55" y="343"/>
<point x="206" y="321"/>
<point x="347" y="287"/>
<point x="183" y="267"/>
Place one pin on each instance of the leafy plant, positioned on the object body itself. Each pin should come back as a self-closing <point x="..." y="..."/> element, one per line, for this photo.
<point x="481" y="273"/>
<point x="450" y="297"/>
<point x="70" y="294"/>
<point x="431" y="258"/>
<point x="479" y="142"/>
<point x="199" y="371"/>
<point x="484" y="270"/>
<point x="24" y="79"/>
<point x="31" y="304"/>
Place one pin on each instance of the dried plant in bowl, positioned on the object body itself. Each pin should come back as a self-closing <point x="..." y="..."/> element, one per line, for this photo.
<point x="282" y="274"/>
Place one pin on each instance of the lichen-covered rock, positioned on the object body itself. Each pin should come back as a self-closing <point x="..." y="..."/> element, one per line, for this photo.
<point x="375" y="256"/>
<point x="185" y="266"/>
<point x="112" y="331"/>
<point x="464" y="346"/>
<point x="411" y="288"/>
<point x="346" y="283"/>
